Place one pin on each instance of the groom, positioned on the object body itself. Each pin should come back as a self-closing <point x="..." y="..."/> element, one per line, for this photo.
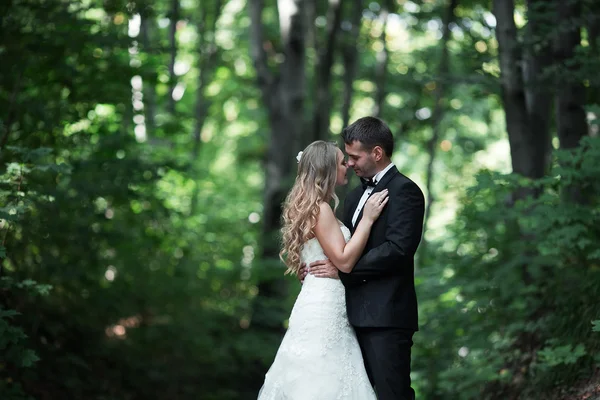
<point x="380" y="291"/>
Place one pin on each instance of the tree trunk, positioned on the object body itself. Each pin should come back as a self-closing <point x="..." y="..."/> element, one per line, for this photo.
<point x="438" y="111"/>
<point x="528" y="157"/>
<point x="592" y="11"/>
<point x="146" y="31"/>
<point x="174" y="17"/>
<point x="322" y="109"/>
<point x="207" y="55"/>
<point x="538" y="86"/>
<point x="571" y="119"/>
<point x="284" y="98"/>
<point x="527" y="112"/>
<point x="10" y="115"/>
<point x="382" y="57"/>
<point x="350" y="57"/>
<point x="570" y="99"/>
<point x="311" y="17"/>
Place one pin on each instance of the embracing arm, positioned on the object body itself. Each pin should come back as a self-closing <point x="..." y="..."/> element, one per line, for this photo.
<point x="344" y="255"/>
<point x="403" y="233"/>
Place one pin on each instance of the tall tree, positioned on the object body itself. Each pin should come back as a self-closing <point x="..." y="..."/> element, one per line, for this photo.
<point x="591" y="11"/>
<point x="7" y="124"/>
<point x="206" y="25"/>
<point x="147" y="30"/>
<point x="283" y="95"/>
<point x="325" y="59"/>
<point x="350" y="57"/>
<point x="537" y="54"/>
<point x="382" y="57"/>
<point x="570" y="98"/>
<point x="174" y="20"/>
<point x="527" y="145"/>
<point x="439" y="107"/>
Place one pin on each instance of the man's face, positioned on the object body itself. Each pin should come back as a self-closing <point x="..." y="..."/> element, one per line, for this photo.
<point x="360" y="160"/>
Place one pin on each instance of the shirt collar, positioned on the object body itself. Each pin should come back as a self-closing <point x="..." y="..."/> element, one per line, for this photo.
<point x="381" y="173"/>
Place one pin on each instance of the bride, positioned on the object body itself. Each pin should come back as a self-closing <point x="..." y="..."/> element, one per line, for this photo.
<point x="319" y="357"/>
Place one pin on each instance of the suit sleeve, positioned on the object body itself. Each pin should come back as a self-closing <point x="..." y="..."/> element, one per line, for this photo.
<point x="402" y="237"/>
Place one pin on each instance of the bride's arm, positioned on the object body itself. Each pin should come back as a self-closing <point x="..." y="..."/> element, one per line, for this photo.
<point x="344" y="255"/>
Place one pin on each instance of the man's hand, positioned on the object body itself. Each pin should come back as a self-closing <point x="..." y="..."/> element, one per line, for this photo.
<point x="324" y="269"/>
<point x="302" y="272"/>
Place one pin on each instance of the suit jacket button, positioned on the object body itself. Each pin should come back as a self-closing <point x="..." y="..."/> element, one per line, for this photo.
<point x="364" y="281"/>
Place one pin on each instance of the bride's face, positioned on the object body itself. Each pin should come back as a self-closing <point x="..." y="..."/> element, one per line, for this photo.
<point x="342" y="168"/>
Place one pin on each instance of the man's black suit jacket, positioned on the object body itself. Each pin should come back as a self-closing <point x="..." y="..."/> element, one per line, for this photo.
<point x="380" y="290"/>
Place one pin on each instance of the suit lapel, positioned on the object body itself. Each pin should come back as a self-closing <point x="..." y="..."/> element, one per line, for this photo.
<point x="382" y="184"/>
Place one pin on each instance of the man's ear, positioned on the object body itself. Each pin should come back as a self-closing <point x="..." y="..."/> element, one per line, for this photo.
<point x="378" y="153"/>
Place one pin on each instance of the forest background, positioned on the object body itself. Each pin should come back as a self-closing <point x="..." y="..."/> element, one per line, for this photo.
<point x="146" y="147"/>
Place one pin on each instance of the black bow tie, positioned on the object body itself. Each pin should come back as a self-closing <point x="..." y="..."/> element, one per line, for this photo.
<point x="368" y="183"/>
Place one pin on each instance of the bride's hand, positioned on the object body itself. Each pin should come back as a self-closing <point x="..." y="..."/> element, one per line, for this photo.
<point x="375" y="205"/>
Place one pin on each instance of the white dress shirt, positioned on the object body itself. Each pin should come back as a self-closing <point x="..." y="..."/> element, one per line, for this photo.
<point x="368" y="192"/>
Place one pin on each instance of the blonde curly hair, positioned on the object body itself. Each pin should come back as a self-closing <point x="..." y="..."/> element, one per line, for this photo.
<point x="315" y="183"/>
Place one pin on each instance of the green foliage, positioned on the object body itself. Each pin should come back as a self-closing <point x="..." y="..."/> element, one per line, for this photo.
<point x="507" y="285"/>
<point x="554" y="355"/>
<point x="128" y="256"/>
<point x="148" y="258"/>
<point x="18" y="203"/>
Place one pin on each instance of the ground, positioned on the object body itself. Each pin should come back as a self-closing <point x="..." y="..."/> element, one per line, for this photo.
<point x="586" y="390"/>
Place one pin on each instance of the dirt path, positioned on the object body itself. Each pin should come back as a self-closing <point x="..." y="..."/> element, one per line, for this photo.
<point x="587" y="390"/>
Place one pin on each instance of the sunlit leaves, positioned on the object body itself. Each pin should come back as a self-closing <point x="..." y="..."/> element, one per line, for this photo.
<point x="513" y="262"/>
<point x="554" y="355"/>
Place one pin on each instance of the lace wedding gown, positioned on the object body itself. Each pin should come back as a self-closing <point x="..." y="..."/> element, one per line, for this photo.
<point x="319" y="357"/>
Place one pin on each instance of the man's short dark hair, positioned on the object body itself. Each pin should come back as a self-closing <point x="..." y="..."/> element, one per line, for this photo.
<point x="370" y="132"/>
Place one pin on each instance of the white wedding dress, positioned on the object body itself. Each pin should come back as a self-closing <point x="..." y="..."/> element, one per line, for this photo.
<point x="319" y="357"/>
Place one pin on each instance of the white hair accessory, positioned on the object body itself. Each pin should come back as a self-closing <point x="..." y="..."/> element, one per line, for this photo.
<point x="299" y="156"/>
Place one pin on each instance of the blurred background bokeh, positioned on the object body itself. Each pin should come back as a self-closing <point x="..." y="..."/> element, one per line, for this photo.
<point x="146" y="147"/>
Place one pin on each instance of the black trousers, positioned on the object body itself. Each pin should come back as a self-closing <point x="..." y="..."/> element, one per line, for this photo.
<point x="386" y="353"/>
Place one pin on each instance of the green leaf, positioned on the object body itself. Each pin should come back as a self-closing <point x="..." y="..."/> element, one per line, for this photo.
<point x="7" y="216"/>
<point x="28" y="358"/>
<point x="8" y="313"/>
